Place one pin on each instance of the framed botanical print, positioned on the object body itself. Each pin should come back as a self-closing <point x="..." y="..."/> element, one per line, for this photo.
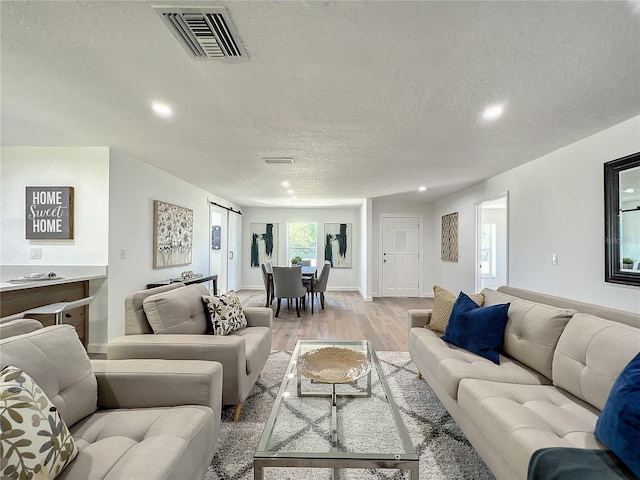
<point x="172" y="235"/>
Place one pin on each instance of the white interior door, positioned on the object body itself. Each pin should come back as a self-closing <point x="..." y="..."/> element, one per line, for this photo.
<point x="492" y="242"/>
<point x="235" y="242"/>
<point x="219" y="220"/>
<point x="400" y="256"/>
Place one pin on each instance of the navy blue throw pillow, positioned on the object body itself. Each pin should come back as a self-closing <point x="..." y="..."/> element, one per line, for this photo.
<point x="478" y="329"/>
<point x="618" y="426"/>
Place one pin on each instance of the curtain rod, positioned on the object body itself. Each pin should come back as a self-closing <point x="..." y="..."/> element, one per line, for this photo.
<point x="226" y="208"/>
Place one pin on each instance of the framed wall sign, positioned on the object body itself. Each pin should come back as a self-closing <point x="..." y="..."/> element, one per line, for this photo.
<point x="49" y="212"/>
<point x="172" y="235"/>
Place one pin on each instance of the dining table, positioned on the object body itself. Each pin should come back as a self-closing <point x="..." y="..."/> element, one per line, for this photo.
<point x="308" y="271"/>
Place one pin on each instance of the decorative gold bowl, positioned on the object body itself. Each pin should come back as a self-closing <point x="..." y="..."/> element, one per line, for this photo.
<point x="333" y="365"/>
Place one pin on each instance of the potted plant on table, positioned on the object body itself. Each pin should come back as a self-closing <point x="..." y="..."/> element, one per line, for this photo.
<point x="627" y="262"/>
<point x="296" y="260"/>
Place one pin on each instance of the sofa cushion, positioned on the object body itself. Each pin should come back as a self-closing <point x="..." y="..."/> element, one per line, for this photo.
<point x="178" y="311"/>
<point x="35" y="441"/>
<point x="532" y="330"/>
<point x="591" y="354"/>
<point x="619" y="424"/>
<point x="450" y="364"/>
<point x="477" y="329"/>
<point x="56" y="360"/>
<point x="443" y="301"/>
<point x="142" y="443"/>
<point x="225" y="313"/>
<point x="519" y="419"/>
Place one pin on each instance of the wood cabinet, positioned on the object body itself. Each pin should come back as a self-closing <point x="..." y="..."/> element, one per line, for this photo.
<point x="16" y="301"/>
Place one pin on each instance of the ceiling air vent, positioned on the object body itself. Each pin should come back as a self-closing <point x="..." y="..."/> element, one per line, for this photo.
<point x="205" y="33"/>
<point x="288" y="160"/>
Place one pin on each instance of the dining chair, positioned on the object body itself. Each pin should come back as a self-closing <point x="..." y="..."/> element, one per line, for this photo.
<point x="287" y="283"/>
<point x="267" y="272"/>
<point x="321" y="283"/>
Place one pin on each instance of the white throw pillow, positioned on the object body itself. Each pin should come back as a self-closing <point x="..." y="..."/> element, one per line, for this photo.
<point x="225" y="313"/>
<point x="36" y="442"/>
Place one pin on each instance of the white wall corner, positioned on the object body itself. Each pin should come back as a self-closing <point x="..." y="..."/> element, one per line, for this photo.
<point x="364" y="296"/>
<point x="96" y="348"/>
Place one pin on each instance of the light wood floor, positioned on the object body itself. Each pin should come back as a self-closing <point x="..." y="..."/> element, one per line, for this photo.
<point x="346" y="317"/>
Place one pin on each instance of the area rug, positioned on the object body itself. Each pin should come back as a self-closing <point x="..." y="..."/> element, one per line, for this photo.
<point x="443" y="450"/>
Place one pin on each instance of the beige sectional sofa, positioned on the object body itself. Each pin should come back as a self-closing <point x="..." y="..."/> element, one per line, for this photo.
<point x="171" y="322"/>
<point x="130" y="419"/>
<point x="558" y="362"/>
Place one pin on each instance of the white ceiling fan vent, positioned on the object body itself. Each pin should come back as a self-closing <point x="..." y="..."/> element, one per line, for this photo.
<point x="205" y="33"/>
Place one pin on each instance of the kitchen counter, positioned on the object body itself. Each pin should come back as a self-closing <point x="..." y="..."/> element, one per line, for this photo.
<point x="74" y="286"/>
<point x="68" y="274"/>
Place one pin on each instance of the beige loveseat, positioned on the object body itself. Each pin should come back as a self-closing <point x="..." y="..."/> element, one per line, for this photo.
<point x="171" y="322"/>
<point x="130" y="419"/>
<point x="558" y="363"/>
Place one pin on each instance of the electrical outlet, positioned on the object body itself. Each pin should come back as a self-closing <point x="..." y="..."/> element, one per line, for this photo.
<point x="123" y="253"/>
<point x="554" y="259"/>
<point x="35" y="254"/>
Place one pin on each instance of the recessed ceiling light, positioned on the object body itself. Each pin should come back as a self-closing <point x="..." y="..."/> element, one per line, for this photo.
<point x="290" y="192"/>
<point x="493" y="112"/>
<point x="422" y="189"/>
<point x="162" y="109"/>
<point x="628" y="190"/>
<point x="285" y="184"/>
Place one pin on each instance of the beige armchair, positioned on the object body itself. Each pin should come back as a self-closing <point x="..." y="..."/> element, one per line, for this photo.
<point x="151" y="419"/>
<point x="171" y="322"/>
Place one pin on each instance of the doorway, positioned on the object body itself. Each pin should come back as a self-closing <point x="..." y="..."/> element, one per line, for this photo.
<point x="492" y="242"/>
<point x="224" y="261"/>
<point x="401" y="243"/>
<point x="219" y="223"/>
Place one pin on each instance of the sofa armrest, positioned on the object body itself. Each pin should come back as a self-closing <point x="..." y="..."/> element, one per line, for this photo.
<point x="158" y="383"/>
<point x="228" y="350"/>
<point x="418" y="317"/>
<point x="259" y="316"/>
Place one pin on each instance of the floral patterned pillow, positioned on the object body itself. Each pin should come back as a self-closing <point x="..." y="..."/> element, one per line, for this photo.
<point x="225" y="313"/>
<point x="35" y="441"/>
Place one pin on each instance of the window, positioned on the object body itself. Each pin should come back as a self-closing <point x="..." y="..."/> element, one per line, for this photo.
<point x="302" y="241"/>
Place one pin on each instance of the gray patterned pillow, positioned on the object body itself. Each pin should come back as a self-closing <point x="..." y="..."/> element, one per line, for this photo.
<point x="225" y="313"/>
<point x="36" y="442"/>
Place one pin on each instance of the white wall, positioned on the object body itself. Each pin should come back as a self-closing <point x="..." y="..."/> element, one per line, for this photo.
<point x="424" y="210"/>
<point x="340" y="278"/>
<point x="556" y="206"/>
<point x="365" y="249"/>
<point x="84" y="168"/>
<point x="134" y="186"/>
<point x="87" y="170"/>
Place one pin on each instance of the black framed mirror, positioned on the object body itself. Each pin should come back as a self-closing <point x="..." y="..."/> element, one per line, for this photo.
<point x="622" y="220"/>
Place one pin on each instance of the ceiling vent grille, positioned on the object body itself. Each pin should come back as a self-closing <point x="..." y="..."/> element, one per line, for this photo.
<point x="205" y="33"/>
<point x="276" y="160"/>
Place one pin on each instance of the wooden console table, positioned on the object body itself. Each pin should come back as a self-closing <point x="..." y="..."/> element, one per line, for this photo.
<point x="203" y="279"/>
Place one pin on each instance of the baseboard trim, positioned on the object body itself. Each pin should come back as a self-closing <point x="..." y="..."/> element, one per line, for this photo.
<point x="364" y="297"/>
<point x="96" y="348"/>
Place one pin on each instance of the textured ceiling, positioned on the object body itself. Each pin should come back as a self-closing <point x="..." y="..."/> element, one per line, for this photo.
<point x="370" y="98"/>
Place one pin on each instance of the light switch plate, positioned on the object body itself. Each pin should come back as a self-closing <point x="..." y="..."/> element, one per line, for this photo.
<point x="554" y="259"/>
<point x="35" y="254"/>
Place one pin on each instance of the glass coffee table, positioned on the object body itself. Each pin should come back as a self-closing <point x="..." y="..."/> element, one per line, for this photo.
<point x="346" y="425"/>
